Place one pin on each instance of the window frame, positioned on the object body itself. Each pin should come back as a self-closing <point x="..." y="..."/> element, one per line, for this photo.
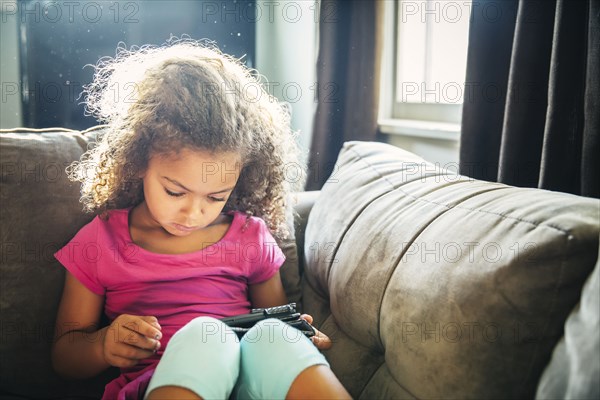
<point x="426" y="120"/>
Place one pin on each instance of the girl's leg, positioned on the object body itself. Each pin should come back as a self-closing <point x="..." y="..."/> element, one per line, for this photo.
<point x="278" y="362"/>
<point x="317" y="382"/>
<point x="201" y="361"/>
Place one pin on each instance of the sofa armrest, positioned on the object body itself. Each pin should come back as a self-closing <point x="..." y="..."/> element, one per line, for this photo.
<point x="304" y="203"/>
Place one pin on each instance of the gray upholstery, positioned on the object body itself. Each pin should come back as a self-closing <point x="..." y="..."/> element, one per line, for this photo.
<point x="383" y="275"/>
<point x="39" y="212"/>
<point x="437" y="286"/>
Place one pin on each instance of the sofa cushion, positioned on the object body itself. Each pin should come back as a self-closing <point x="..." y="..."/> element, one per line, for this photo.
<point x="40" y="213"/>
<point x="441" y="286"/>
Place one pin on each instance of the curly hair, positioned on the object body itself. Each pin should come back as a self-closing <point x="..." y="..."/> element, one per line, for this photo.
<point x="187" y="94"/>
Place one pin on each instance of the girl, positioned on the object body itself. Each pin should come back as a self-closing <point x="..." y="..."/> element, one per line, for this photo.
<point x="188" y="184"/>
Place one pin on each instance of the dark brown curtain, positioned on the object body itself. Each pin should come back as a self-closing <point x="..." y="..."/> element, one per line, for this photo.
<point x="348" y="64"/>
<point x="531" y="113"/>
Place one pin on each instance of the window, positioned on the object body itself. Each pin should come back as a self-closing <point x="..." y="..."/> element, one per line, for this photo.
<point x="46" y="44"/>
<point x="424" y="67"/>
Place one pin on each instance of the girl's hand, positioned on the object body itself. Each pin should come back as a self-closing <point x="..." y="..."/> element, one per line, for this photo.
<point x="131" y="338"/>
<point x="320" y="339"/>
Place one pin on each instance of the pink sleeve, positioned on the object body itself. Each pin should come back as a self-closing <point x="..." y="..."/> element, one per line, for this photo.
<point x="271" y="256"/>
<point x="80" y="256"/>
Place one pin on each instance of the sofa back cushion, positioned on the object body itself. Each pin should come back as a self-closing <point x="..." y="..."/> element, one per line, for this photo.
<point x="40" y="213"/>
<point x="434" y="285"/>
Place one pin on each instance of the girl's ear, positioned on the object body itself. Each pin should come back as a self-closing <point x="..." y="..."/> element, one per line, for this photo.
<point x="142" y="170"/>
<point x="142" y="173"/>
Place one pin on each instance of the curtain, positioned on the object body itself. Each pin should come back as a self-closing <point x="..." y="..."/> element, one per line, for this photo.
<point x="531" y="112"/>
<point x="348" y="64"/>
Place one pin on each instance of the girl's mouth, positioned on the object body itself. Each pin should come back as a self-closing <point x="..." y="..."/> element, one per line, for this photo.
<point x="184" y="228"/>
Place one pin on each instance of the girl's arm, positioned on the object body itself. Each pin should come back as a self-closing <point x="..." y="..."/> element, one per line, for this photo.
<point x="81" y="350"/>
<point x="269" y="293"/>
<point x="77" y="348"/>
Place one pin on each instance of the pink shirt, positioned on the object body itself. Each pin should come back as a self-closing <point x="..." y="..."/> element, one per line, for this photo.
<point x="175" y="288"/>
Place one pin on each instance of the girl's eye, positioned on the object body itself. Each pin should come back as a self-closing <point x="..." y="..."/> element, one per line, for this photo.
<point x="173" y="193"/>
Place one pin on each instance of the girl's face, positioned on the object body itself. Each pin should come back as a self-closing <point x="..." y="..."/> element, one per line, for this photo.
<point x="187" y="191"/>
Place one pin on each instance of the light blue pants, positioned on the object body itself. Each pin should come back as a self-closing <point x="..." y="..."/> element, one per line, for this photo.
<point x="206" y="357"/>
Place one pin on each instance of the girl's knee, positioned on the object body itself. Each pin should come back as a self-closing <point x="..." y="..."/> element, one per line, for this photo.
<point x="270" y="333"/>
<point x="203" y="356"/>
<point x="206" y="330"/>
<point x="273" y="354"/>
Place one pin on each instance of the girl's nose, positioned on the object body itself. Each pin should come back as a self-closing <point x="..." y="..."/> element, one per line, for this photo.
<point x="194" y="211"/>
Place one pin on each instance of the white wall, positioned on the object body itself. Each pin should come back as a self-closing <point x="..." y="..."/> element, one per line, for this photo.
<point x="286" y="54"/>
<point x="10" y="101"/>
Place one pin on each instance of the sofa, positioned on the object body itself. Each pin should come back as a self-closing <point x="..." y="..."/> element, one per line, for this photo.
<point x="429" y="283"/>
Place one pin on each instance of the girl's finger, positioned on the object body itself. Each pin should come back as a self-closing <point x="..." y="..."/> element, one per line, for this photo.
<point x="147" y="326"/>
<point x="321" y="340"/>
<point x="308" y="318"/>
<point x="134" y="338"/>
<point x="153" y="321"/>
